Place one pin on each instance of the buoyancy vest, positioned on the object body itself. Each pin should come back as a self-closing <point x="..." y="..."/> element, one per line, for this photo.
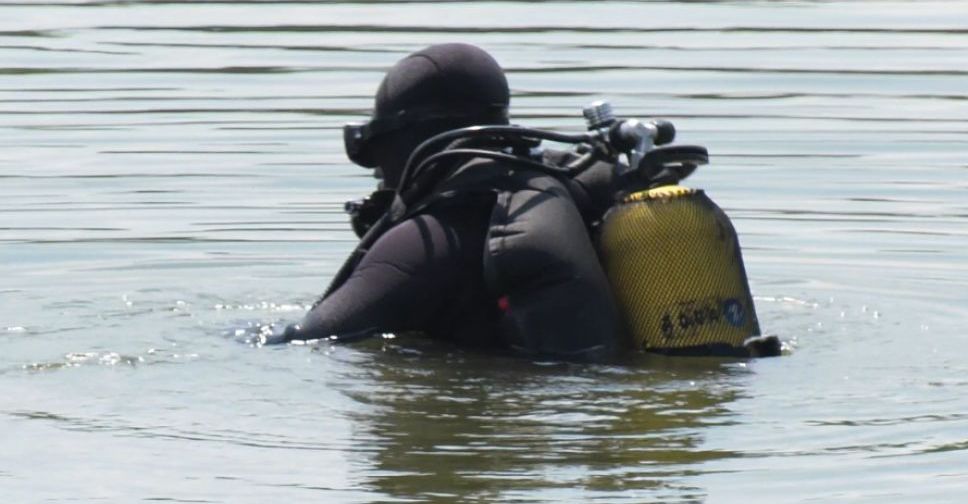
<point x="540" y="263"/>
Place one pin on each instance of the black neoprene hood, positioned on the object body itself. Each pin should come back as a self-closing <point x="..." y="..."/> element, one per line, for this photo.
<point x="445" y="81"/>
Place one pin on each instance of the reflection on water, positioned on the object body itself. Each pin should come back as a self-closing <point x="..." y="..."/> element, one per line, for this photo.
<point x="173" y="170"/>
<point x="457" y="426"/>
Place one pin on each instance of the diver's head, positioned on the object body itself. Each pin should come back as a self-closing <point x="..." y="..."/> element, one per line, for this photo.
<point x="436" y="89"/>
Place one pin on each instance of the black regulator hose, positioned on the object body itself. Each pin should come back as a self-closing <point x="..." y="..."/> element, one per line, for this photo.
<point x="411" y="169"/>
<point x="429" y="163"/>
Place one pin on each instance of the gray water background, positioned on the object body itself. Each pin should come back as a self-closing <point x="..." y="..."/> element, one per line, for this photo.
<point x="172" y="171"/>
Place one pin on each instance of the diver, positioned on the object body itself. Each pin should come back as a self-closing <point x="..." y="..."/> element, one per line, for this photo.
<point x="478" y="236"/>
<point x="496" y="256"/>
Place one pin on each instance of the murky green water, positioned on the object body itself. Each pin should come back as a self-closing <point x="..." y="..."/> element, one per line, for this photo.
<point x="172" y="170"/>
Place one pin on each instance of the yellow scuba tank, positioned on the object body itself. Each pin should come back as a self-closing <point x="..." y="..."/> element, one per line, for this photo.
<point x="674" y="262"/>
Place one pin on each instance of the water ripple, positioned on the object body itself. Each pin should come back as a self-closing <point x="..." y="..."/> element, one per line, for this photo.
<point x="873" y="422"/>
<point x="529" y="29"/>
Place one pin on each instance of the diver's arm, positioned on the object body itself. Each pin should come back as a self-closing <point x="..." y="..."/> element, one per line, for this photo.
<point x="396" y="287"/>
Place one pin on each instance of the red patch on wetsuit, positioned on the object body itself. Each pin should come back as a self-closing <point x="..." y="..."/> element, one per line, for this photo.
<point x="503" y="303"/>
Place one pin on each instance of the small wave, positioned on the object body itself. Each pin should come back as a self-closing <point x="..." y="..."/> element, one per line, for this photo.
<point x="234" y="437"/>
<point x="788" y="300"/>
<point x="876" y="422"/>
<point x="76" y="359"/>
<point x="110" y="359"/>
<point x="262" y="306"/>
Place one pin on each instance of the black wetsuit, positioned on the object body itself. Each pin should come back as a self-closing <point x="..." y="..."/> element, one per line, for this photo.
<point x="484" y="268"/>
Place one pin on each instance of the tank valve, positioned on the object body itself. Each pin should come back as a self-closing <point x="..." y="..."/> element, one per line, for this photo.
<point x="598" y="114"/>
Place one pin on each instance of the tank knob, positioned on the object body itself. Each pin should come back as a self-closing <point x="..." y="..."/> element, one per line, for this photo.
<point x="598" y="114"/>
<point x="665" y="132"/>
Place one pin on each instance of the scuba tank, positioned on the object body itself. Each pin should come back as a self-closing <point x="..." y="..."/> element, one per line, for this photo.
<point x="672" y="255"/>
<point x="675" y="266"/>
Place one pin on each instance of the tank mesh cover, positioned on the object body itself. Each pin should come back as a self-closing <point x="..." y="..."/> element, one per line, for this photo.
<point x="675" y="265"/>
